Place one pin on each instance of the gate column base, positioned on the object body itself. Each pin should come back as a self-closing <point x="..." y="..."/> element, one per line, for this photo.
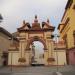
<point x="45" y="57"/>
<point x="27" y="56"/>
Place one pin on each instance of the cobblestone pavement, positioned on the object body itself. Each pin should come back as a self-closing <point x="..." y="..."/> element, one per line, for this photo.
<point x="67" y="70"/>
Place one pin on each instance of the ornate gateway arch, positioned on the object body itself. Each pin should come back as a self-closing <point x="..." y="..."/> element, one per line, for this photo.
<point x="36" y="32"/>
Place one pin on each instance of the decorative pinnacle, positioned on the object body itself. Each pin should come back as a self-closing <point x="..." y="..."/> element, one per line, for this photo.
<point x="24" y="22"/>
<point x="35" y="16"/>
<point x="47" y="20"/>
<point x="35" y="19"/>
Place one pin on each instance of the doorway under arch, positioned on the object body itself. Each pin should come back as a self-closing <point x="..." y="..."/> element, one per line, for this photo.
<point x="37" y="49"/>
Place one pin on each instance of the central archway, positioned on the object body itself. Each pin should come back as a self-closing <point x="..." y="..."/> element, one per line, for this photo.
<point x="37" y="54"/>
<point x="32" y="58"/>
<point x="36" y="38"/>
<point x="28" y="33"/>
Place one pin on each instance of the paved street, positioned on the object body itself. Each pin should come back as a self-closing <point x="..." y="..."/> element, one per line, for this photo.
<point x="67" y="70"/>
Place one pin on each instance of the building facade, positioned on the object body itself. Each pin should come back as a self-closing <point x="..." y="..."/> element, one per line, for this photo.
<point x="67" y="30"/>
<point x="4" y="46"/>
<point x="5" y="42"/>
<point x="27" y="34"/>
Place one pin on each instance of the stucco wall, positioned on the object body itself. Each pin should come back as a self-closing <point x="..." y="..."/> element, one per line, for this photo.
<point x="61" y="56"/>
<point x="72" y="57"/>
<point x="68" y="31"/>
<point x="4" y="45"/>
<point x="70" y="27"/>
<point x="4" y="42"/>
<point x="13" y="58"/>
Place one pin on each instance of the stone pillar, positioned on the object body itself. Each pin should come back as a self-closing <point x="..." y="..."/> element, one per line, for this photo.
<point x="27" y="57"/>
<point x="49" y="49"/>
<point x="22" y="46"/>
<point x="49" y="53"/>
<point x="45" y="57"/>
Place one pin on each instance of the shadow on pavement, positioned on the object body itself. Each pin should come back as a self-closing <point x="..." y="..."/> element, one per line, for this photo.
<point x="5" y="73"/>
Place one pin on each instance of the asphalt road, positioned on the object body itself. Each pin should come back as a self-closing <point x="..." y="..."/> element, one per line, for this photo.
<point x="67" y="70"/>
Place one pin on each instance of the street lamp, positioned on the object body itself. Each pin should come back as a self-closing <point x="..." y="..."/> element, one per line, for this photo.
<point x="56" y="36"/>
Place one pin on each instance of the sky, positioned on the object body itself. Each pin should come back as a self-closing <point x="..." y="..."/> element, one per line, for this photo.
<point x="40" y="45"/>
<point x="15" y="11"/>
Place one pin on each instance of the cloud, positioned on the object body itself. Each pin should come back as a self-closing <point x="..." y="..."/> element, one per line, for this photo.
<point x="14" y="11"/>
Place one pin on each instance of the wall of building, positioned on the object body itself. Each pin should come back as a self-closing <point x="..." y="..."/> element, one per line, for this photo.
<point x="72" y="57"/>
<point x="4" y="45"/>
<point x="60" y="57"/>
<point x="70" y="27"/>
<point x="4" y="42"/>
<point x="68" y="31"/>
<point x="13" y="58"/>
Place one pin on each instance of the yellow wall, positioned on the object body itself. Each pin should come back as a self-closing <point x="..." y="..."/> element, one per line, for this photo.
<point x="70" y="27"/>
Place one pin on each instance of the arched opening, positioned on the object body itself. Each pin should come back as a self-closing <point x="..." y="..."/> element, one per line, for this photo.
<point x="37" y="50"/>
<point x="36" y="44"/>
<point x="36" y="38"/>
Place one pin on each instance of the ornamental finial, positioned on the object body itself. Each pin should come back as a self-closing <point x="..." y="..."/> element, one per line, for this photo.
<point x="35" y="19"/>
<point x="35" y="16"/>
<point x="23" y="22"/>
<point x="47" y="20"/>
